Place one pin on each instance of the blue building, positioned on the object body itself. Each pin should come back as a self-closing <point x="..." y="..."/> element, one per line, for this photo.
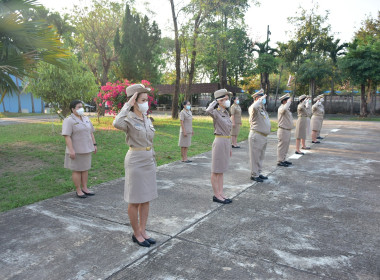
<point x="11" y="102"/>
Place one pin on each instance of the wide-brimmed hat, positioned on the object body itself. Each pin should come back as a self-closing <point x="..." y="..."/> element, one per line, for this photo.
<point x="221" y="93"/>
<point x="285" y="96"/>
<point x="318" y="97"/>
<point x="303" y="96"/>
<point x="258" y="93"/>
<point x="139" y="88"/>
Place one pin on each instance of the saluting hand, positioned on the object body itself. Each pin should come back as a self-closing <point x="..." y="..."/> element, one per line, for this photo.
<point x="96" y="149"/>
<point x="132" y="101"/>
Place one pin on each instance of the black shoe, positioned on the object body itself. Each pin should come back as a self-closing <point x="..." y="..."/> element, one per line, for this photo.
<point x="263" y="177"/>
<point x="287" y="162"/>
<point x="143" y="244"/>
<point x="235" y="147"/>
<point x="221" y="201"/>
<point x="301" y="153"/>
<point x="187" y="161"/>
<point x="151" y="240"/>
<point x="88" y="193"/>
<point x="305" y="148"/>
<point x="282" y="163"/>
<point x="319" y="137"/>
<point x="228" y="200"/>
<point x="257" y="179"/>
<point x="315" y="142"/>
<point x="81" y="196"/>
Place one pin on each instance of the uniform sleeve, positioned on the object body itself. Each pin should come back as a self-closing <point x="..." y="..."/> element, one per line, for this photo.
<point x="67" y="127"/>
<point x="210" y="108"/>
<point x="314" y="108"/>
<point x="120" y="121"/>
<point x="281" y="109"/>
<point x="92" y="126"/>
<point x="181" y="116"/>
<point x="233" y="109"/>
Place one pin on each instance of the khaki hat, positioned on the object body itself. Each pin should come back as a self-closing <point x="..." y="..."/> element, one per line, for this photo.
<point x="316" y="99"/>
<point x="286" y="96"/>
<point x="131" y="90"/>
<point x="259" y="93"/>
<point x="221" y="93"/>
<point x="302" y="97"/>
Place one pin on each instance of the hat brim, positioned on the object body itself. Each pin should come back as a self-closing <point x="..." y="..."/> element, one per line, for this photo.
<point x="139" y="90"/>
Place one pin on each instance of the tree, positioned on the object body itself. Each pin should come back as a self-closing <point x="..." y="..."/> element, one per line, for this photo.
<point x="312" y="36"/>
<point x="266" y="63"/>
<point x="362" y="67"/>
<point x="23" y="43"/>
<point x="59" y="87"/>
<point x="335" y="50"/>
<point x="177" y="62"/>
<point x="139" y="48"/>
<point x="95" y="32"/>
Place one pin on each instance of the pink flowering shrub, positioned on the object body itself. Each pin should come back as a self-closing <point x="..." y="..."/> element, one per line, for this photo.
<point x="113" y="95"/>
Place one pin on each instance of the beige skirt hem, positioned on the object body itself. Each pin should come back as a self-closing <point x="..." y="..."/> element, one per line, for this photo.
<point x="82" y="162"/>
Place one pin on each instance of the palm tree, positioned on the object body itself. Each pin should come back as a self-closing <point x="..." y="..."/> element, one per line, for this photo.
<point x="23" y="43"/>
<point x="266" y="63"/>
<point x="335" y="50"/>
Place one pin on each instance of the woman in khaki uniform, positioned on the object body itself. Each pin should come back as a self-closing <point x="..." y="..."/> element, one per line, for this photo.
<point x="317" y="119"/>
<point x="186" y="130"/>
<point x="80" y="144"/>
<point x="309" y="114"/>
<point x="221" y="147"/>
<point x="140" y="165"/>
<point x="236" y="121"/>
<point x="301" y="125"/>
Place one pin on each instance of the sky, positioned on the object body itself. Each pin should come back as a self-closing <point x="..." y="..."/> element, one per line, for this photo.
<point x="345" y="16"/>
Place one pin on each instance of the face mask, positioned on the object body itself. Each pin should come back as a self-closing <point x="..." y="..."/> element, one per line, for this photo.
<point x="322" y="99"/>
<point x="188" y="107"/>
<point x="227" y="103"/>
<point x="309" y="101"/>
<point x="143" y="107"/>
<point x="80" y="111"/>
<point x="237" y="102"/>
<point x="264" y="101"/>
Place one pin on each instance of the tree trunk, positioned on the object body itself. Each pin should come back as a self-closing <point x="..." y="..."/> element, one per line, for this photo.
<point x="32" y="100"/>
<point x="363" y="102"/>
<point x="278" y="84"/>
<point x="42" y="106"/>
<point x="193" y="55"/>
<point x="224" y="73"/>
<point x="3" y="106"/>
<point x="177" y="64"/>
<point x="312" y="88"/>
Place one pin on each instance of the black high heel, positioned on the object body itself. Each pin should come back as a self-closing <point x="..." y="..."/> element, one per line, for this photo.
<point x="143" y="244"/>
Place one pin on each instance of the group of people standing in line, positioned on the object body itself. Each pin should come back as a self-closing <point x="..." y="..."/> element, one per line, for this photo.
<point x="140" y="164"/>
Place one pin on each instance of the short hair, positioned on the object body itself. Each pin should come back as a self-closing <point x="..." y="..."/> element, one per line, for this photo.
<point x="73" y="104"/>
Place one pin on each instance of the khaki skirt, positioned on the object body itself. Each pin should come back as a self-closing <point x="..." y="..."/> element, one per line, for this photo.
<point x="221" y="153"/>
<point x="185" y="141"/>
<point x="235" y="130"/>
<point x="82" y="162"/>
<point x="316" y="123"/>
<point x="301" y="128"/>
<point x="140" y="177"/>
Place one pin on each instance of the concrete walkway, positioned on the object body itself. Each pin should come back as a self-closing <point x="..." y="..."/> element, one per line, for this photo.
<point x="319" y="219"/>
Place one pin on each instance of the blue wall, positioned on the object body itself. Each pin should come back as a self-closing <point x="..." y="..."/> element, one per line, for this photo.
<point x="11" y="101"/>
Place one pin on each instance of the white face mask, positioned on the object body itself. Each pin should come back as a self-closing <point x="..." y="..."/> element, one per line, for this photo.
<point x="143" y="107"/>
<point x="80" y="111"/>
<point x="322" y="99"/>
<point x="227" y="103"/>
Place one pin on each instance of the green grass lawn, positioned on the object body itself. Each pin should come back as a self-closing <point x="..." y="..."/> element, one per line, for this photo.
<point x="31" y="156"/>
<point x="13" y="115"/>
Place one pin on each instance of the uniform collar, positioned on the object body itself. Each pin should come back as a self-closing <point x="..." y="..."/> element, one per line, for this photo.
<point x="221" y="109"/>
<point x="77" y="118"/>
<point x="136" y="117"/>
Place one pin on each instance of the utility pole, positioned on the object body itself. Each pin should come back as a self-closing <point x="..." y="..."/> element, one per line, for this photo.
<point x="268" y="33"/>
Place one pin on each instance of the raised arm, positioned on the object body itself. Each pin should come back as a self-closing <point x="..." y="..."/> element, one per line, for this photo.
<point x="210" y="108"/>
<point x="119" y="121"/>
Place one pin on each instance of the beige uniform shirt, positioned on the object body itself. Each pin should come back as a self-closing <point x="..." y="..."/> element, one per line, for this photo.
<point x="187" y="117"/>
<point x="318" y="109"/>
<point x="139" y="133"/>
<point x="221" y="117"/>
<point x="80" y="133"/>
<point x="284" y="116"/>
<point x="236" y="112"/>
<point x="258" y="118"/>
<point x="301" y="110"/>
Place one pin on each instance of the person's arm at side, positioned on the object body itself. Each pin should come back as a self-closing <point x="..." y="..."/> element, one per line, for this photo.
<point x="69" y="145"/>
<point x="183" y="129"/>
<point x="94" y="142"/>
